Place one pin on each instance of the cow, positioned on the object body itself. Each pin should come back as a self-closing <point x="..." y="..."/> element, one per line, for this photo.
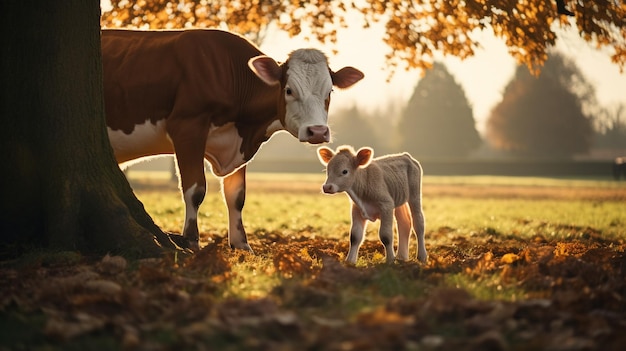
<point x="211" y="94"/>
<point x="379" y="188"/>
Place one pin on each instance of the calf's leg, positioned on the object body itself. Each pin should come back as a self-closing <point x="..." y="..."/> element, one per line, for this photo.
<point x="419" y="226"/>
<point x="234" y="190"/>
<point x="385" y="233"/>
<point x="403" y="219"/>
<point x="357" y="231"/>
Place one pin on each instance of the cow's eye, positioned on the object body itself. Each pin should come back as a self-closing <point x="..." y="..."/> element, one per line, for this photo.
<point x="344" y="172"/>
<point x="288" y="91"/>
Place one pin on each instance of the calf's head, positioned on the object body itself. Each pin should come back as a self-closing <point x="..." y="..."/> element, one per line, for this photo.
<point x="306" y="82"/>
<point x="341" y="166"/>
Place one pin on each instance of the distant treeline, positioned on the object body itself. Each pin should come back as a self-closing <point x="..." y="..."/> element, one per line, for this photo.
<point x="308" y="163"/>
<point x="543" y="168"/>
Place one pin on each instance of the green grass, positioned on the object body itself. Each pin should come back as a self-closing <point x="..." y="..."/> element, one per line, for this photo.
<point x="292" y="205"/>
<point x="488" y="287"/>
<point x="524" y="181"/>
<point x="526" y="217"/>
<point x="561" y="237"/>
<point x="292" y="210"/>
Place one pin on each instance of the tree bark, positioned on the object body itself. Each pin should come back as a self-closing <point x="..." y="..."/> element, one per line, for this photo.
<point x="60" y="184"/>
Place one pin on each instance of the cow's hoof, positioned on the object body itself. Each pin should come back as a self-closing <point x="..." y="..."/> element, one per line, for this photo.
<point x="193" y="246"/>
<point x="185" y="243"/>
<point x="244" y="246"/>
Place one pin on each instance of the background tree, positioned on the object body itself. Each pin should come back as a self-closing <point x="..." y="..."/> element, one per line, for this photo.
<point x="611" y="128"/>
<point x="62" y="188"/>
<point x="249" y="18"/>
<point x="415" y="30"/>
<point x="543" y="116"/>
<point x="438" y="121"/>
<point x="350" y="126"/>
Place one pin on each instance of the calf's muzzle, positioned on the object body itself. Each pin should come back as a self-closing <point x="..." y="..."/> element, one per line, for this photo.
<point x="328" y="188"/>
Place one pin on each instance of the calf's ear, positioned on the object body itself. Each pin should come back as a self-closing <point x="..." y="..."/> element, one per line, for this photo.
<point x="265" y="68"/>
<point x="364" y="157"/>
<point x="346" y="77"/>
<point x="325" y="154"/>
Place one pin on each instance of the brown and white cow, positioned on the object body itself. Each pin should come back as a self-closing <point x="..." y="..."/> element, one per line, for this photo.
<point x="210" y="94"/>
<point x="379" y="189"/>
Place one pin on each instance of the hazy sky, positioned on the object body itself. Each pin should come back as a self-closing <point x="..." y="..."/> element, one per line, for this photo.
<point x="483" y="77"/>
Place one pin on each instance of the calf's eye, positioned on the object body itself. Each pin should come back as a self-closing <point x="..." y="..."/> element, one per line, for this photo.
<point x="344" y="172"/>
<point x="288" y="91"/>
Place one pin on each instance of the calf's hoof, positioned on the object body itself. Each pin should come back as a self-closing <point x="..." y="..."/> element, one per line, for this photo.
<point x="350" y="262"/>
<point x="402" y="258"/>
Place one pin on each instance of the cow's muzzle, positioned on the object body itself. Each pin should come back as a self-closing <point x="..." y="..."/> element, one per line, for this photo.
<point x="317" y="134"/>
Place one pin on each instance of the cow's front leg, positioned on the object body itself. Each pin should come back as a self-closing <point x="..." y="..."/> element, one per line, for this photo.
<point x="193" y="197"/>
<point x="403" y="219"/>
<point x="190" y="159"/>
<point x="357" y="231"/>
<point x="385" y="233"/>
<point x="234" y="189"/>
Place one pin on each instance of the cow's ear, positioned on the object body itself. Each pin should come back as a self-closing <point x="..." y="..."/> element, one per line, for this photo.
<point x="325" y="154"/>
<point x="364" y="156"/>
<point x="346" y="77"/>
<point x="265" y="68"/>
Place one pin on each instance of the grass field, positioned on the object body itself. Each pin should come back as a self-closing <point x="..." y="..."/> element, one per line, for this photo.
<point x="510" y="205"/>
<point x="514" y="264"/>
<point x="460" y="207"/>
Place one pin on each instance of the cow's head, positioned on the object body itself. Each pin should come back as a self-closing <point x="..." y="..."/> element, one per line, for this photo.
<point x="306" y="82"/>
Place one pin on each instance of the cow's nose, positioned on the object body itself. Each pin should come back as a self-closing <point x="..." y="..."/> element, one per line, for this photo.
<point x="318" y="134"/>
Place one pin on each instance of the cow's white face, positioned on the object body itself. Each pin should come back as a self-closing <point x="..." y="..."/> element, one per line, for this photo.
<point x="306" y="86"/>
<point x="307" y="96"/>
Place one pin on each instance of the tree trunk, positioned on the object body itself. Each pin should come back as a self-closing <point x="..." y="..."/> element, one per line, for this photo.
<point x="60" y="185"/>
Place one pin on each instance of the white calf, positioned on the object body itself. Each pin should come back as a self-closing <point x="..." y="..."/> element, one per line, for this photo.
<point x="378" y="188"/>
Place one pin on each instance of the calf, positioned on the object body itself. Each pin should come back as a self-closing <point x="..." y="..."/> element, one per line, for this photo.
<point x="379" y="188"/>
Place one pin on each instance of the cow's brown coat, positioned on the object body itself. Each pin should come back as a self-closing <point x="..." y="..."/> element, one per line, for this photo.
<point x="203" y="88"/>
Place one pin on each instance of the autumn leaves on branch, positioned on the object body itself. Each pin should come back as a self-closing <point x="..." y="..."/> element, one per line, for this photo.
<point x="414" y="30"/>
